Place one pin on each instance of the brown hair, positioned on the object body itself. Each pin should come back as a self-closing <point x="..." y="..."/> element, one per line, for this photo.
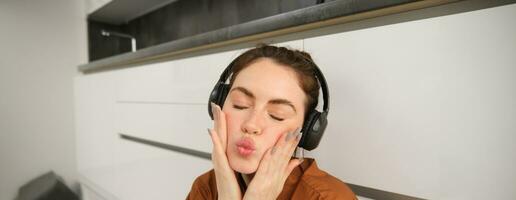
<point x="300" y="61"/>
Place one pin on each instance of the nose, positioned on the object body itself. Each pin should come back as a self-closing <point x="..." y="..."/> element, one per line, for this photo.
<point x="251" y="131"/>
<point x="252" y="124"/>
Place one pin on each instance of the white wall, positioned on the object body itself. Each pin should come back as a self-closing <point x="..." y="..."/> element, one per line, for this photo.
<point x="424" y="108"/>
<point x="92" y="5"/>
<point x="42" y="43"/>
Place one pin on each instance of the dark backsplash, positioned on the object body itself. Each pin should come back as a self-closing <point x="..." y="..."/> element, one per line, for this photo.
<point x="181" y="19"/>
<point x="100" y="46"/>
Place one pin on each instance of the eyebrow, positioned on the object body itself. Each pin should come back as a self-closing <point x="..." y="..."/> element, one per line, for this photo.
<point x="272" y="101"/>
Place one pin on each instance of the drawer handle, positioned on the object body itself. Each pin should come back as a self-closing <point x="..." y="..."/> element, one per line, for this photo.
<point x="187" y="151"/>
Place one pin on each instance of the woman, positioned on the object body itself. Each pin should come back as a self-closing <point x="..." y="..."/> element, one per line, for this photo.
<point x="270" y="93"/>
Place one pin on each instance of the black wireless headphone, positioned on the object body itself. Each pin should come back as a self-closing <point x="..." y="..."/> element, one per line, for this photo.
<point x="315" y="122"/>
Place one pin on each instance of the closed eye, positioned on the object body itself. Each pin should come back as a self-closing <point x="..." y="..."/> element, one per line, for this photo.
<point x="239" y="107"/>
<point x="276" y="118"/>
<point x="243" y="107"/>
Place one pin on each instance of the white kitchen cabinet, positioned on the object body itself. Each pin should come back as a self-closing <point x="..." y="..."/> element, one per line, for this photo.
<point x="179" y="125"/>
<point x="184" y="81"/>
<point x="147" y="172"/>
<point x="181" y="81"/>
<point x="163" y="102"/>
<point x="95" y="133"/>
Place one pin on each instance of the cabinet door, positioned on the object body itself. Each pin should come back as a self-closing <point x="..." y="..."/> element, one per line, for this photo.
<point x="181" y="125"/>
<point x="423" y="108"/>
<point x="183" y="81"/>
<point x="147" y="172"/>
<point x="95" y="133"/>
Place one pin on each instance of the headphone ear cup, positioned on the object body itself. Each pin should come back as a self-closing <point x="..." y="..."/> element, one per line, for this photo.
<point x="218" y="96"/>
<point x="306" y="128"/>
<point x="313" y="130"/>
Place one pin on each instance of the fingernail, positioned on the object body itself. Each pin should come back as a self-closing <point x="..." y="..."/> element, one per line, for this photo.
<point x="218" y="109"/>
<point x="296" y="134"/>
<point x="298" y="137"/>
<point x="289" y="136"/>
<point x="213" y="110"/>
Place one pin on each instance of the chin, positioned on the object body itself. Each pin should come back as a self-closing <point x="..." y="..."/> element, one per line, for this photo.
<point x="244" y="166"/>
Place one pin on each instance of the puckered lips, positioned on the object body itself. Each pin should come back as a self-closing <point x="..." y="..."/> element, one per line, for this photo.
<point x="245" y="147"/>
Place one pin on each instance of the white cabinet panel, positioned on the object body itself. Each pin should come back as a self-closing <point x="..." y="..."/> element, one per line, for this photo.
<point x="94" y="122"/>
<point x="177" y="124"/>
<point x="423" y="108"/>
<point x="186" y="80"/>
<point x="180" y="81"/>
<point x="146" y="172"/>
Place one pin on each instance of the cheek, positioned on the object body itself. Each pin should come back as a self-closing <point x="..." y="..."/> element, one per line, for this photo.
<point x="232" y="124"/>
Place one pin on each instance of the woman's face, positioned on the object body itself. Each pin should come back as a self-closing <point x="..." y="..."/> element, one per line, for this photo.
<point x="264" y="102"/>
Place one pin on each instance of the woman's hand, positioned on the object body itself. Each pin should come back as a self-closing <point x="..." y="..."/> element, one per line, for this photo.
<point x="274" y="169"/>
<point x="227" y="185"/>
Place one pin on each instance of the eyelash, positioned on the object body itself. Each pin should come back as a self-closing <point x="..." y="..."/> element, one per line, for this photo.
<point x="272" y="116"/>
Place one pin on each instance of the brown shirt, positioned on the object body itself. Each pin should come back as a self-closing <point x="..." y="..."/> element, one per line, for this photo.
<point x="306" y="181"/>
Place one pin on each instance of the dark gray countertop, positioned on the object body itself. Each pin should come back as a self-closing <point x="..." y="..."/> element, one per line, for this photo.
<point x="313" y="14"/>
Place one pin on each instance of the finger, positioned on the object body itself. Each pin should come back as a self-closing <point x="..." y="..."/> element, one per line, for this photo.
<point x="215" y="140"/>
<point x="218" y="156"/>
<point x="265" y="161"/>
<point x="220" y="124"/>
<point x="222" y="128"/>
<point x="292" y="165"/>
<point x="215" y="116"/>
<point x="290" y="142"/>
<point x="267" y="155"/>
<point x="213" y="110"/>
<point x="277" y="154"/>
<point x="295" y="141"/>
<point x="293" y="135"/>
<point x="283" y="139"/>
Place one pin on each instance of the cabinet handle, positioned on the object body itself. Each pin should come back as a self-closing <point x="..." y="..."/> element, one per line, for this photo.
<point x="183" y="150"/>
